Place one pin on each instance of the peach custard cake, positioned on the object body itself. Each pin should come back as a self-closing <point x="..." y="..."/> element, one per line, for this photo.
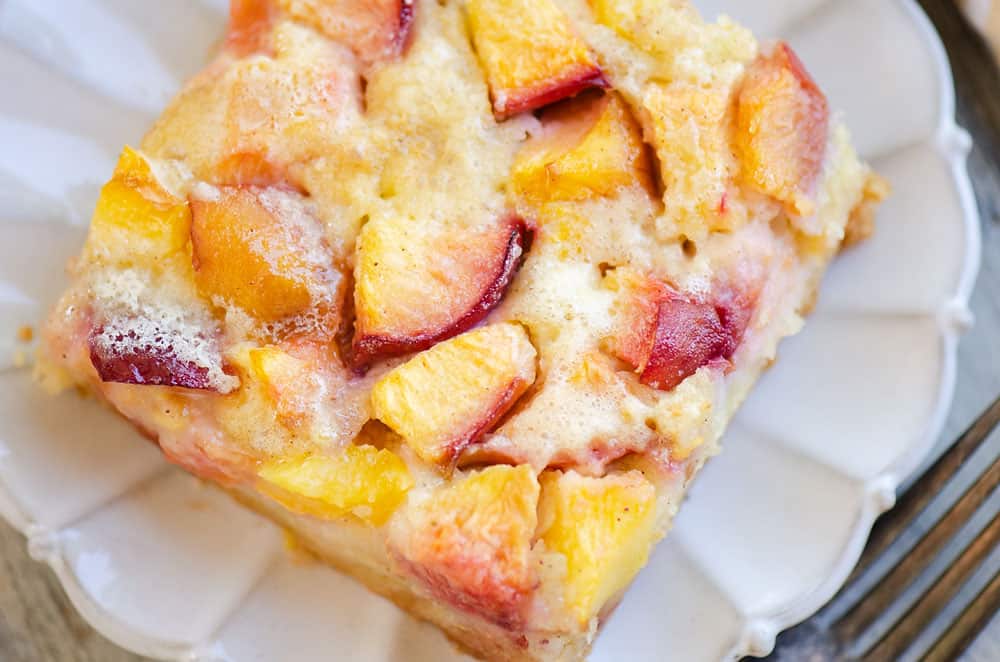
<point x="463" y="292"/>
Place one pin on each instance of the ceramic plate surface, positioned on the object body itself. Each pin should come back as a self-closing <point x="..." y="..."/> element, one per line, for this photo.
<point x="172" y="569"/>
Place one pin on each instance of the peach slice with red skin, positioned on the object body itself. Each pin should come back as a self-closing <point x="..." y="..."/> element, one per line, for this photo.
<point x="589" y="146"/>
<point x="445" y="398"/>
<point x="530" y="53"/>
<point x="259" y="249"/>
<point x="373" y="29"/>
<point x="667" y="336"/>
<point x="415" y="287"/>
<point x="687" y="335"/>
<point x="782" y="121"/>
<point x="149" y="346"/>
<point x="289" y="377"/>
<point x="128" y="358"/>
<point x="470" y="543"/>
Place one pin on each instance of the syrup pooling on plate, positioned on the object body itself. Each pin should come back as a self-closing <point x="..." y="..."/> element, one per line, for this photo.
<point x="404" y="262"/>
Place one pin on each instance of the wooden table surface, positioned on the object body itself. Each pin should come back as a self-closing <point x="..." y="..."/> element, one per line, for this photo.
<point x="38" y="623"/>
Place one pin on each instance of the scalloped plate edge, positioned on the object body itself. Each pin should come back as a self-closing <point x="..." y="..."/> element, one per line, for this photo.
<point x="952" y="143"/>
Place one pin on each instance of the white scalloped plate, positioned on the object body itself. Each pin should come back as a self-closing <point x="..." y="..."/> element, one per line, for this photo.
<point x="172" y="569"/>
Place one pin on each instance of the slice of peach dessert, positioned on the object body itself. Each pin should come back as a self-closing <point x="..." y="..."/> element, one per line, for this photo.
<point x="463" y="294"/>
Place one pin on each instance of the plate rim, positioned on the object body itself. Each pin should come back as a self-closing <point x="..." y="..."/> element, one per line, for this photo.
<point x="954" y="144"/>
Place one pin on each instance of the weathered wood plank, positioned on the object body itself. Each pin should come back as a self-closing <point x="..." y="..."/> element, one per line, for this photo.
<point x="37" y="621"/>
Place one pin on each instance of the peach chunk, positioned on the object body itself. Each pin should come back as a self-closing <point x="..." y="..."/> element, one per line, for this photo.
<point x="589" y="146"/>
<point x="470" y="543"/>
<point x="137" y="221"/>
<point x="138" y="352"/>
<point x="282" y="110"/>
<point x="445" y="398"/>
<point x="250" y="23"/>
<point x="530" y="54"/>
<point x="604" y="527"/>
<point x="363" y="481"/>
<point x="295" y="398"/>
<point x="288" y="381"/>
<point x="667" y="336"/>
<point x="373" y="29"/>
<point x="415" y="287"/>
<point x="243" y="169"/>
<point x="260" y="249"/>
<point x="145" y="335"/>
<point x="782" y="123"/>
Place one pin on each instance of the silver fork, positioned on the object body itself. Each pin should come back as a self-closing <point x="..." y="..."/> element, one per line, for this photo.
<point x="886" y="584"/>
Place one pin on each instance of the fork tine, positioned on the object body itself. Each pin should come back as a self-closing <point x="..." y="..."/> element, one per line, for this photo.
<point x="895" y="582"/>
<point x="972" y="620"/>
<point x="913" y="622"/>
<point x="916" y="498"/>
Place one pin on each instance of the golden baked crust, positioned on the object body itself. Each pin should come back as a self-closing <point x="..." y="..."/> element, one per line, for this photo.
<point x="463" y="293"/>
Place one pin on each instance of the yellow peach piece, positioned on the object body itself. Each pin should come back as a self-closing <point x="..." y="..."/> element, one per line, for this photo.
<point x="782" y="123"/>
<point x="137" y="221"/>
<point x="259" y="249"/>
<point x="445" y="398"/>
<point x="591" y="146"/>
<point x="604" y="527"/>
<point x="363" y="481"/>
<point x="288" y="382"/>
<point x="530" y="53"/>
